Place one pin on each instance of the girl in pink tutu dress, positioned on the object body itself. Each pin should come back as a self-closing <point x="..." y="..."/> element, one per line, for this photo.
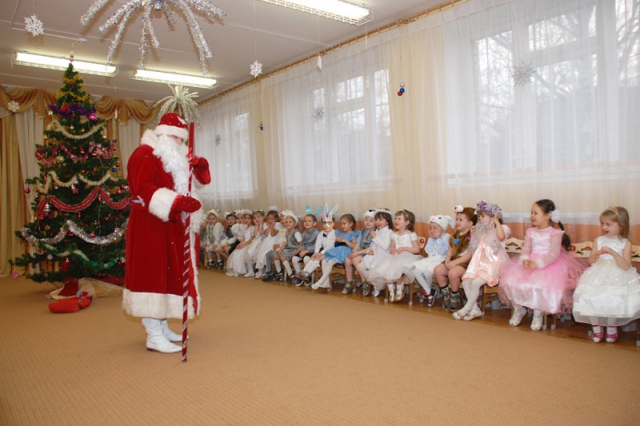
<point x="609" y="291"/>
<point x="544" y="275"/>
<point x="488" y="236"/>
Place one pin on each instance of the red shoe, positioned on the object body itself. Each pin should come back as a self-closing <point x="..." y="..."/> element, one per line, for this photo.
<point x="64" y="306"/>
<point x="84" y="300"/>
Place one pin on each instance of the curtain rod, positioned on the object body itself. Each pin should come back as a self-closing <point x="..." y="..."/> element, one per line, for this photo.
<point x="404" y="21"/>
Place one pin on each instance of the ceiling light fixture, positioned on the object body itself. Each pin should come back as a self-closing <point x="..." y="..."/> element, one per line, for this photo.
<point x="53" y="63"/>
<point x="172" y="78"/>
<point x="340" y="10"/>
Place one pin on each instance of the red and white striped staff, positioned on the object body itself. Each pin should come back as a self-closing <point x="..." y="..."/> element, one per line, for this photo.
<point x="187" y="256"/>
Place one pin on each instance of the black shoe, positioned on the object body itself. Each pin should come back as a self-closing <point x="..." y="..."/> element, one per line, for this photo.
<point x="279" y="276"/>
<point x="209" y="265"/>
<point x="219" y="265"/>
<point x="294" y="280"/>
<point x="269" y="276"/>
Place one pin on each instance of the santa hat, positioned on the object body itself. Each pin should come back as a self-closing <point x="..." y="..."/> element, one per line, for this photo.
<point x="443" y="220"/>
<point x="174" y="125"/>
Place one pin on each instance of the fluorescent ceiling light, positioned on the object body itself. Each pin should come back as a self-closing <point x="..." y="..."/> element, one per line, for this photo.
<point x="53" y="63"/>
<point x="340" y="10"/>
<point x="171" y="78"/>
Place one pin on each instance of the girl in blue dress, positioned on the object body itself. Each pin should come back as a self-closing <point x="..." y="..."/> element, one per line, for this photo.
<point x="346" y="240"/>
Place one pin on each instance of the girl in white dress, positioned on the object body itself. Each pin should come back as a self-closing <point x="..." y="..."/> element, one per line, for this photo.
<point x="404" y="251"/>
<point x="237" y="262"/>
<point x="259" y="228"/>
<point x="608" y="293"/>
<point x="270" y="234"/>
<point x="380" y="245"/>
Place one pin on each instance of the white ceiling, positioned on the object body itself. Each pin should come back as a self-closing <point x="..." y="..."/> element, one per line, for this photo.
<point x="273" y="35"/>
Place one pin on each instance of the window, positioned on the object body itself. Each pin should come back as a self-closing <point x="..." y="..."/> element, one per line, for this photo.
<point x="569" y="120"/>
<point x="338" y="135"/>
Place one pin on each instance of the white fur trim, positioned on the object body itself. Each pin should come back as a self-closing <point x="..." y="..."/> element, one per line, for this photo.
<point x="161" y="202"/>
<point x="522" y="258"/>
<point x="174" y="162"/>
<point x="164" y="129"/>
<point x="539" y="263"/>
<point x="155" y="305"/>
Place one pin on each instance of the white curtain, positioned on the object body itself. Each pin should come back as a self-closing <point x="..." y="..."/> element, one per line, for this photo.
<point x="567" y="132"/>
<point x="128" y="141"/>
<point x="463" y="130"/>
<point x="30" y="130"/>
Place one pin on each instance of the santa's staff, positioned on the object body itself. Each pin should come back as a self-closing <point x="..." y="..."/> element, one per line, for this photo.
<point x="187" y="255"/>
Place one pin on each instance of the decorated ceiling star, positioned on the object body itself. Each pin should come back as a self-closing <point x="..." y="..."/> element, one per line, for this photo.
<point x="522" y="74"/>
<point x="182" y="103"/>
<point x="13" y="106"/>
<point x="131" y="7"/>
<point x="256" y="69"/>
<point x="33" y="25"/>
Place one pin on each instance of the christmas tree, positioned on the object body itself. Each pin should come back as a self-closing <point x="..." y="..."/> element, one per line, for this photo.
<point x="81" y="205"/>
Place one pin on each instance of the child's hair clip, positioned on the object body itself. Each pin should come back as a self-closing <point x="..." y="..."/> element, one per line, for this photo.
<point x="458" y="208"/>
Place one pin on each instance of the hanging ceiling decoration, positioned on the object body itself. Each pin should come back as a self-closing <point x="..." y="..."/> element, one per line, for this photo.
<point x="122" y="16"/>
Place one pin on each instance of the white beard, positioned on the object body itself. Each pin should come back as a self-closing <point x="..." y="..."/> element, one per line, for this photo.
<point x="174" y="161"/>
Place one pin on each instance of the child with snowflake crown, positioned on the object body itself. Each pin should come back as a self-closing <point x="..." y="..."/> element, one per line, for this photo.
<point x="488" y="236"/>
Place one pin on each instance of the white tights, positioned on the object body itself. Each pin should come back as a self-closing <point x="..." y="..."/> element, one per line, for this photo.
<point x="472" y="291"/>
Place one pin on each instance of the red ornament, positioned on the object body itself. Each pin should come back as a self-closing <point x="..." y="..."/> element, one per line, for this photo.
<point x="64" y="267"/>
<point x="92" y="235"/>
<point x="64" y="108"/>
<point x="399" y="93"/>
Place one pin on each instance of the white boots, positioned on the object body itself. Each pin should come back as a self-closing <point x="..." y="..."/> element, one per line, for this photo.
<point x="158" y="336"/>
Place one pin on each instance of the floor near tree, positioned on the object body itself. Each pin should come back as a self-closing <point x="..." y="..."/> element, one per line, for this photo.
<point x="266" y="354"/>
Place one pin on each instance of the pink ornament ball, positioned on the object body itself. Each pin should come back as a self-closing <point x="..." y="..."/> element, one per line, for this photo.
<point x="92" y="117"/>
<point x="27" y="190"/>
<point x="92" y="235"/>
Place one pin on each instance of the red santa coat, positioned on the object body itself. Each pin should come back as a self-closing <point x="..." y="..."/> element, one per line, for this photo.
<point x="154" y="243"/>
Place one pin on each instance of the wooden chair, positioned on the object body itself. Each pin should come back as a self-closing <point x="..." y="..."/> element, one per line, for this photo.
<point x="489" y="294"/>
<point x="412" y="287"/>
<point x="513" y="246"/>
<point x="582" y="249"/>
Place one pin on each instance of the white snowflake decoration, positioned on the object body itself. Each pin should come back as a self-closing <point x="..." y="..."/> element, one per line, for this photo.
<point x="256" y="69"/>
<point x="33" y="25"/>
<point x="319" y="62"/>
<point x="13" y="106"/>
<point x="522" y="74"/>
<point x="318" y="113"/>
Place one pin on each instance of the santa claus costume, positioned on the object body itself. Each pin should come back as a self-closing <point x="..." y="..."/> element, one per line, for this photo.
<point x="158" y="174"/>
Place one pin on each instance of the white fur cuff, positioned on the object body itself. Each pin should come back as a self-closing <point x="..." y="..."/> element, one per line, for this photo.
<point x="161" y="202"/>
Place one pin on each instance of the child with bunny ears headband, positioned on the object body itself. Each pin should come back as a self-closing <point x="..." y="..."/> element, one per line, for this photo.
<point x="436" y="250"/>
<point x="326" y="240"/>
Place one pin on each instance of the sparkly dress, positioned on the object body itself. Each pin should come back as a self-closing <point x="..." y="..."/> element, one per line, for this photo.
<point x="488" y="256"/>
<point x="606" y="294"/>
<point x="237" y="260"/>
<point x="390" y="267"/>
<point x="547" y="288"/>
<point x="267" y="246"/>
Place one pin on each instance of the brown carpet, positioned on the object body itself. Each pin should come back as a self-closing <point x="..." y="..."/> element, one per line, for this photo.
<point x="265" y="354"/>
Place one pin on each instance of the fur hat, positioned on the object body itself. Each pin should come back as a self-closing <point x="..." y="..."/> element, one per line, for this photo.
<point x="369" y="213"/>
<point x="443" y="220"/>
<point x="174" y="125"/>
<point x="289" y="213"/>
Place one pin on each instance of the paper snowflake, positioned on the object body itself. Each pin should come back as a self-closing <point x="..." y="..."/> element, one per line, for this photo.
<point x="13" y="106"/>
<point x="319" y="62"/>
<point x="33" y="25"/>
<point x="256" y="69"/>
<point x="522" y="74"/>
<point x="318" y="113"/>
